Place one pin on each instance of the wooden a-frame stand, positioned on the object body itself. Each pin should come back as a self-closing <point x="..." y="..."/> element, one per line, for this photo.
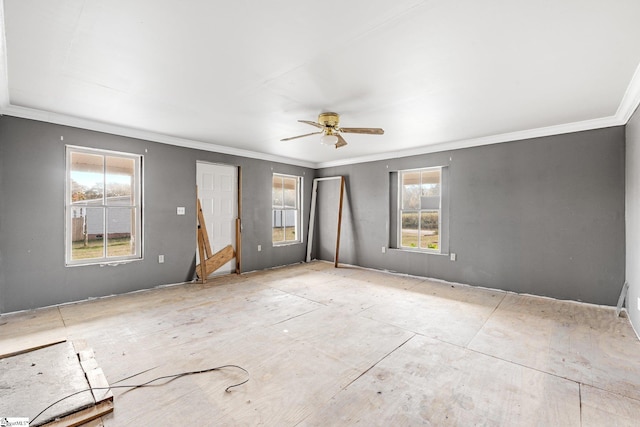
<point x="209" y="262"/>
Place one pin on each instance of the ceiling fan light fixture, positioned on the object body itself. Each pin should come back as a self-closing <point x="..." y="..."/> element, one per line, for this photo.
<point x="331" y="132"/>
<point x="329" y="139"/>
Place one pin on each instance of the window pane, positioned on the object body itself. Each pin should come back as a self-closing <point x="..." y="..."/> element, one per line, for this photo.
<point x="104" y="205"/>
<point x="431" y="183"/>
<point x="120" y="175"/>
<point x="411" y="190"/>
<point x="278" y="226"/>
<point x="87" y="232"/>
<point x="290" y="224"/>
<point x="290" y="191"/>
<point x="420" y="209"/>
<point x="409" y="231"/>
<point x="86" y="171"/>
<point x="429" y="226"/>
<point x="277" y="192"/>
<point x="120" y="232"/>
<point x="286" y="213"/>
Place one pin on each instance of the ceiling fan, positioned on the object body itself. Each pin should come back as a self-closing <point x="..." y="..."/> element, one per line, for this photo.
<point x="329" y="123"/>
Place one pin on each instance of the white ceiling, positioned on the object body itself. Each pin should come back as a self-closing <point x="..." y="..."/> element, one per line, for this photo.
<point x="235" y="76"/>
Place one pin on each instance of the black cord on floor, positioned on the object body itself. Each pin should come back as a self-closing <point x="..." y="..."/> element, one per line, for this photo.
<point x="149" y="384"/>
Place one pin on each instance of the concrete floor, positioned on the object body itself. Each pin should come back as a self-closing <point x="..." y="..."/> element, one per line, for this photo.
<point x="346" y="346"/>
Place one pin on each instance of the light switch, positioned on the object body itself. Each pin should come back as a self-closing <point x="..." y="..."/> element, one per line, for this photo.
<point x="180" y="210"/>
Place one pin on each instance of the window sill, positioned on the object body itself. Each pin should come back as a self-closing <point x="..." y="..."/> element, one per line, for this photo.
<point x="416" y="251"/>
<point x="114" y="263"/>
<point x="279" y="245"/>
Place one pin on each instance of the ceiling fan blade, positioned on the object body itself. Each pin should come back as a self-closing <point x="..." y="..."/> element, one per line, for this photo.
<point x="300" y="136"/>
<point x="341" y="142"/>
<point x="369" y="131"/>
<point x="318" y="125"/>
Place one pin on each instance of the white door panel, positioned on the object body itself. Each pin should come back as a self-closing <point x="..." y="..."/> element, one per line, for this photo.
<point x="218" y="192"/>
<point x="206" y="183"/>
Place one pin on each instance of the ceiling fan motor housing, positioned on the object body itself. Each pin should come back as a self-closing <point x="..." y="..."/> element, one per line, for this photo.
<point x="329" y="119"/>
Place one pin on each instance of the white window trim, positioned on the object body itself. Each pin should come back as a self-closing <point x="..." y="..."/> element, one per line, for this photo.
<point x="104" y="261"/>
<point x="439" y="210"/>
<point x="299" y="216"/>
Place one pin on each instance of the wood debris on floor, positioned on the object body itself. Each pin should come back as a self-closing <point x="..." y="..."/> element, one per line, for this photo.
<point x="54" y="385"/>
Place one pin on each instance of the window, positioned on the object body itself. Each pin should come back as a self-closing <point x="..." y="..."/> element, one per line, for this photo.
<point x="420" y="209"/>
<point x="286" y="209"/>
<point x="103" y="209"/>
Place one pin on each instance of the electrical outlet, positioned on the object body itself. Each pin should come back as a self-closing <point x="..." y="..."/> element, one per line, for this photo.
<point x="384" y="250"/>
<point x="259" y="248"/>
<point x="452" y="256"/>
<point x="160" y="259"/>
<point x="180" y="210"/>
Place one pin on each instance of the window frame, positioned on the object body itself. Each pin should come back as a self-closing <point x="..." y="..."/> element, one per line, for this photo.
<point x="298" y="209"/>
<point x="137" y="204"/>
<point x="420" y="210"/>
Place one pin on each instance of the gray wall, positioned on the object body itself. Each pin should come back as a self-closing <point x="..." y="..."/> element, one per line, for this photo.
<point x="542" y="216"/>
<point x="32" y="182"/>
<point x="633" y="219"/>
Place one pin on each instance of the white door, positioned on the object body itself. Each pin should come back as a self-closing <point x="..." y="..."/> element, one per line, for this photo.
<point x="218" y="193"/>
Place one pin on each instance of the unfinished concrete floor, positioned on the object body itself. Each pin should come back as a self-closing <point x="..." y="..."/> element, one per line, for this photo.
<point x="345" y="346"/>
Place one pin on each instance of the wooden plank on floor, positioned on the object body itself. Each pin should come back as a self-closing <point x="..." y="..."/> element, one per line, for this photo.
<point x="36" y="379"/>
<point x="79" y="345"/>
<point x="84" y="416"/>
<point x="94" y="423"/>
<point x="89" y="365"/>
<point x="39" y="378"/>
<point x="87" y="354"/>
<point x="99" y="385"/>
<point x="95" y="375"/>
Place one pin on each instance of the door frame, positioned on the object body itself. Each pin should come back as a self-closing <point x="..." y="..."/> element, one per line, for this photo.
<point x="238" y="220"/>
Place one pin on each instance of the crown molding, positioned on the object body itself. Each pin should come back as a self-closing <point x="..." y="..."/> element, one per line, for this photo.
<point x="485" y="140"/>
<point x="66" y="120"/>
<point x="631" y="98"/>
<point x="62" y="119"/>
